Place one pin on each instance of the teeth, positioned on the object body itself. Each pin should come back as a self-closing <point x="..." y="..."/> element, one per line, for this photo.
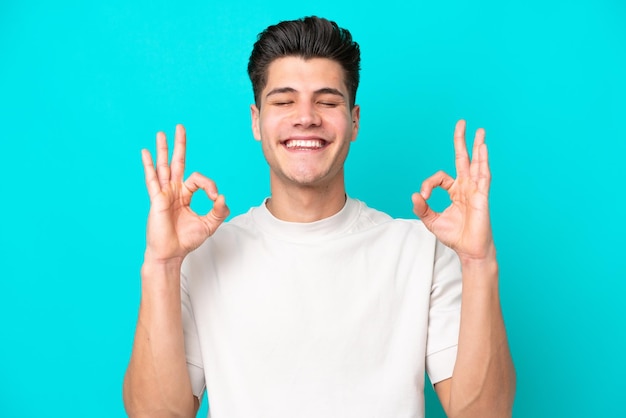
<point x="305" y="143"/>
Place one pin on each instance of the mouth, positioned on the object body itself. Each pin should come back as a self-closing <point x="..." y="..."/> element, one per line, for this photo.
<point x="304" y="144"/>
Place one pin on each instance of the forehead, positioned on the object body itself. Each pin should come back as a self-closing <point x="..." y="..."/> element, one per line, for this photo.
<point x="305" y="74"/>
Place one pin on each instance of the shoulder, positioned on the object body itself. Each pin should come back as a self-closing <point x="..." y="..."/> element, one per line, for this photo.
<point x="373" y="218"/>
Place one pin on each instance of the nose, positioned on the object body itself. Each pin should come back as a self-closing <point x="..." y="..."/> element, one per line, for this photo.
<point x="306" y="115"/>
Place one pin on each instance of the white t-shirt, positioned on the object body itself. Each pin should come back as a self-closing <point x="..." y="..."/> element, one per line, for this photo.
<point x="335" y="318"/>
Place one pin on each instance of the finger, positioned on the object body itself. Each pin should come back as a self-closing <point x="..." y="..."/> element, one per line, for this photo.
<point x="479" y="140"/>
<point x="220" y="211"/>
<point x="439" y="179"/>
<point x="484" y="172"/>
<point x="461" y="159"/>
<point x="178" y="157"/>
<point x="162" y="167"/>
<point x="423" y="211"/>
<point x="152" y="182"/>
<point x="195" y="182"/>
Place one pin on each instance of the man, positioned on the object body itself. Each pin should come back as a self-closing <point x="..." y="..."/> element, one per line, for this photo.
<point x="313" y="304"/>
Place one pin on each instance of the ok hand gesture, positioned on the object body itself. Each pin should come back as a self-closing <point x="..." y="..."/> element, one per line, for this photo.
<point x="174" y="230"/>
<point x="465" y="225"/>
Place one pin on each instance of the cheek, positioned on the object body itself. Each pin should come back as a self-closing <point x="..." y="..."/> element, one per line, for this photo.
<point x="269" y="125"/>
<point x="347" y="127"/>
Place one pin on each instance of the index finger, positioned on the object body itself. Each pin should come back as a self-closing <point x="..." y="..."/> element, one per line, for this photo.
<point x="178" y="156"/>
<point x="152" y="181"/>
<point x="461" y="158"/>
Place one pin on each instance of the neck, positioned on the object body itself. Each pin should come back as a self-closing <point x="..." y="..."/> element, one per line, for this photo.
<point x="305" y="203"/>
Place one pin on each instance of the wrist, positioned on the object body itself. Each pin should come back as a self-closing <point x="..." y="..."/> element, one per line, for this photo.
<point x="151" y="268"/>
<point x="154" y="268"/>
<point x="479" y="259"/>
<point x="151" y="260"/>
<point x="480" y="272"/>
<point x="471" y="263"/>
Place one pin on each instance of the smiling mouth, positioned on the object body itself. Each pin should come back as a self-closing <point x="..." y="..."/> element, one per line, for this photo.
<point x="304" y="144"/>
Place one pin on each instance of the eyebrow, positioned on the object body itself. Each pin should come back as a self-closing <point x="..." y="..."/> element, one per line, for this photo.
<point x="324" y="90"/>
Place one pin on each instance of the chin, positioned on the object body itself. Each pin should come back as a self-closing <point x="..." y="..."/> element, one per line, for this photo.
<point x="307" y="179"/>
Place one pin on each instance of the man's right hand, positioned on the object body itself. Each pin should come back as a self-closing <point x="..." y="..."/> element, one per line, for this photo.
<point x="157" y="381"/>
<point x="174" y="229"/>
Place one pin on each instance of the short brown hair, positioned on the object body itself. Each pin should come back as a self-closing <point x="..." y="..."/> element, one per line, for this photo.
<point x="309" y="37"/>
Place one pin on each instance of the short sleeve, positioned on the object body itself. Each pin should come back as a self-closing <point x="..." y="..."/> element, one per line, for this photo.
<point x="192" y="343"/>
<point x="444" y="314"/>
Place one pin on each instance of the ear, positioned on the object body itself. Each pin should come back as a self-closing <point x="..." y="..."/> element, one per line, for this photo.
<point x="356" y="120"/>
<point x="256" y="123"/>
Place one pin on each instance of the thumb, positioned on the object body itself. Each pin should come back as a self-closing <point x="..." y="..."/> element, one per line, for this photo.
<point x="423" y="210"/>
<point x="218" y="214"/>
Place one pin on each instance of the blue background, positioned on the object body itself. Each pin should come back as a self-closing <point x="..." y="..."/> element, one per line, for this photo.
<point x="84" y="86"/>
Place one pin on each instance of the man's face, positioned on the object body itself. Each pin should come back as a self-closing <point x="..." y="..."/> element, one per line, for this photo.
<point x="304" y="122"/>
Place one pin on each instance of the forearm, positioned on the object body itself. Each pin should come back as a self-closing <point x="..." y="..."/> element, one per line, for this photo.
<point x="483" y="382"/>
<point x="157" y="381"/>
